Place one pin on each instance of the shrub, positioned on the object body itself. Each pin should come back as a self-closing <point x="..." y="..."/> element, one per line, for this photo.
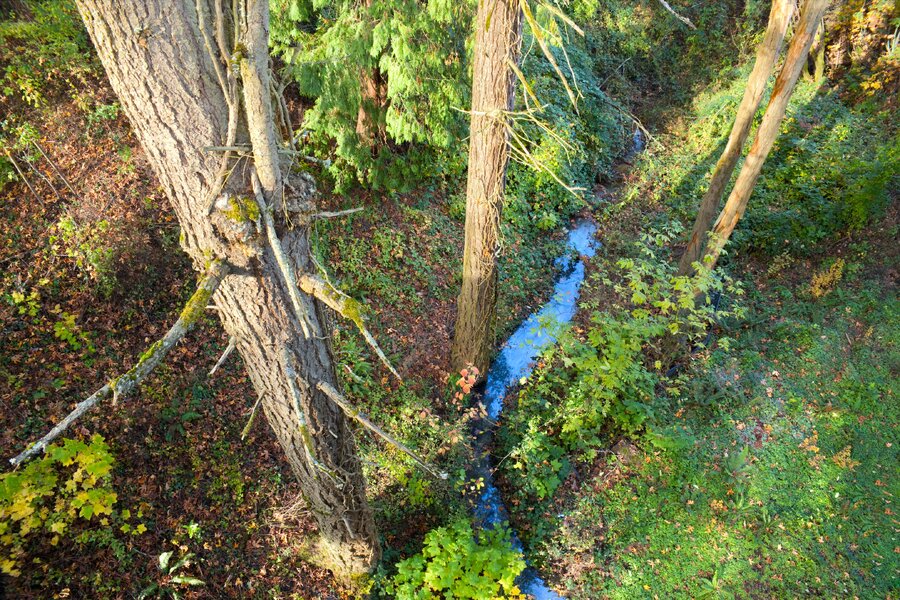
<point x="71" y="482"/>
<point x="609" y="378"/>
<point x="45" y="53"/>
<point x="455" y="562"/>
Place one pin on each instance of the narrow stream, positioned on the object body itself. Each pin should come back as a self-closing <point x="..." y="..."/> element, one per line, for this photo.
<point x="515" y="362"/>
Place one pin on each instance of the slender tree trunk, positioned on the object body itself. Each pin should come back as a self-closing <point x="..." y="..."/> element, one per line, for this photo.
<point x="810" y="16"/>
<point x="766" y="55"/>
<point x="164" y="61"/>
<point x="498" y="39"/>
<point x="369" y="117"/>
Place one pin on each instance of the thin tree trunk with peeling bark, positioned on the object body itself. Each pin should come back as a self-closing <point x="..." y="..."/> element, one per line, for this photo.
<point x="498" y="39"/>
<point x="810" y="17"/>
<point x="165" y="63"/>
<point x="766" y="55"/>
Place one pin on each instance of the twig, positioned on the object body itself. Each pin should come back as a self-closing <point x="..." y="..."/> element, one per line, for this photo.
<point x="336" y="397"/>
<point x="283" y="265"/>
<point x="345" y="306"/>
<point x="228" y="350"/>
<point x="334" y="215"/>
<point x="148" y="361"/>
<point x="684" y="20"/>
<point x="22" y="175"/>
<point x="246" y="430"/>
<point x="44" y="177"/>
<point x="55" y="169"/>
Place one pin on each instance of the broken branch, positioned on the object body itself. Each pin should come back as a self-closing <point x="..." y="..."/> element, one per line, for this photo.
<point x="228" y="350"/>
<point x="344" y="405"/>
<point x="345" y="306"/>
<point x="333" y="215"/>
<point x="684" y="20"/>
<point x="283" y="265"/>
<point x="148" y="361"/>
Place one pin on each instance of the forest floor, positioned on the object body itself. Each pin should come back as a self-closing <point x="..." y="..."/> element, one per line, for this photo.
<point x="92" y="275"/>
<point x="785" y="488"/>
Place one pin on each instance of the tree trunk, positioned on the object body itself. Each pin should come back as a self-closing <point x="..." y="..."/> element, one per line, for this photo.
<point x="165" y="63"/>
<point x="766" y="55"/>
<point x="369" y="118"/>
<point x="794" y="62"/>
<point x="498" y="39"/>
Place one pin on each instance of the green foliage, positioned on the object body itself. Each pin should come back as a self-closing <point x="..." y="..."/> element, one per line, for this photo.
<point x="607" y="379"/>
<point x="832" y="169"/>
<point x="87" y="244"/>
<point x="45" y="53"/>
<point x="66" y="330"/>
<point x="457" y="563"/>
<point x="416" y="52"/>
<point x="71" y="482"/>
<point x="558" y="146"/>
<point x="173" y="581"/>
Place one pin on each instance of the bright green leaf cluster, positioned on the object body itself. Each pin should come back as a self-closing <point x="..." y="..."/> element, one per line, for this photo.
<point x="455" y="562"/>
<point x="72" y="481"/>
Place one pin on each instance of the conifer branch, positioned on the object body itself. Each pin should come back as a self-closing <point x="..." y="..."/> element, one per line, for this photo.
<point x="148" y="361"/>
<point x="283" y="265"/>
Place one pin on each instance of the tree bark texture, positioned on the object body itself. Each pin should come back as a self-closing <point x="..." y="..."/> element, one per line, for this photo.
<point x="162" y="63"/>
<point x="769" y="49"/>
<point x="498" y="40"/>
<point x="798" y="51"/>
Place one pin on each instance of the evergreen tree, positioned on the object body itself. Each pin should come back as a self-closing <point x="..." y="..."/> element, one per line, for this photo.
<point x="387" y="76"/>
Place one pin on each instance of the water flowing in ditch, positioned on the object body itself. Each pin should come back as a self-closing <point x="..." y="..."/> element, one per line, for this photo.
<point x="514" y="363"/>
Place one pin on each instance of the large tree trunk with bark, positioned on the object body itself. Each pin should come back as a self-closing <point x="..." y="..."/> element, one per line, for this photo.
<point x="498" y="39"/>
<point x="171" y="65"/>
<point x="766" y="55"/>
<point x="810" y="17"/>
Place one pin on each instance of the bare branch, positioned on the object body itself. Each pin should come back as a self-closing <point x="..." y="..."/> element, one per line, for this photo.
<point x="684" y="20"/>
<point x="342" y="402"/>
<point x="334" y="215"/>
<point x="228" y="350"/>
<point x="22" y="175"/>
<point x="345" y="306"/>
<point x="246" y="430"/>
<point x="44" y="177"/>
<point x="148" y="361"/>
<point x="287" y="271"/>
<point x="55" y="169"/>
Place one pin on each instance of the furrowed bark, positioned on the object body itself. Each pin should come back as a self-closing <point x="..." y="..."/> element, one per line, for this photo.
<point x="159" y="65"/>
<point x="149" y="360"/>
<point x="810" y="17"/>
<point x="498" y="39"/>
<point x="766" y="55"/>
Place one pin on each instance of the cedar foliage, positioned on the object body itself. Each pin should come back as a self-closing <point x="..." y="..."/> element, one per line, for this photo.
<point x="419" y="47"/>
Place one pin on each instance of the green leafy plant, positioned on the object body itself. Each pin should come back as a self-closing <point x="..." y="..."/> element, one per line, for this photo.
<point x="608" y="378"/>
<point x="71" y="482"/>
<point x="455" y="562"/>
<point x="44" y="53"/>
<point x="173" y="581"/>
<point x="87" y="244"/>
<point x="415" y="55"/>
<point x="66" y="330"/>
